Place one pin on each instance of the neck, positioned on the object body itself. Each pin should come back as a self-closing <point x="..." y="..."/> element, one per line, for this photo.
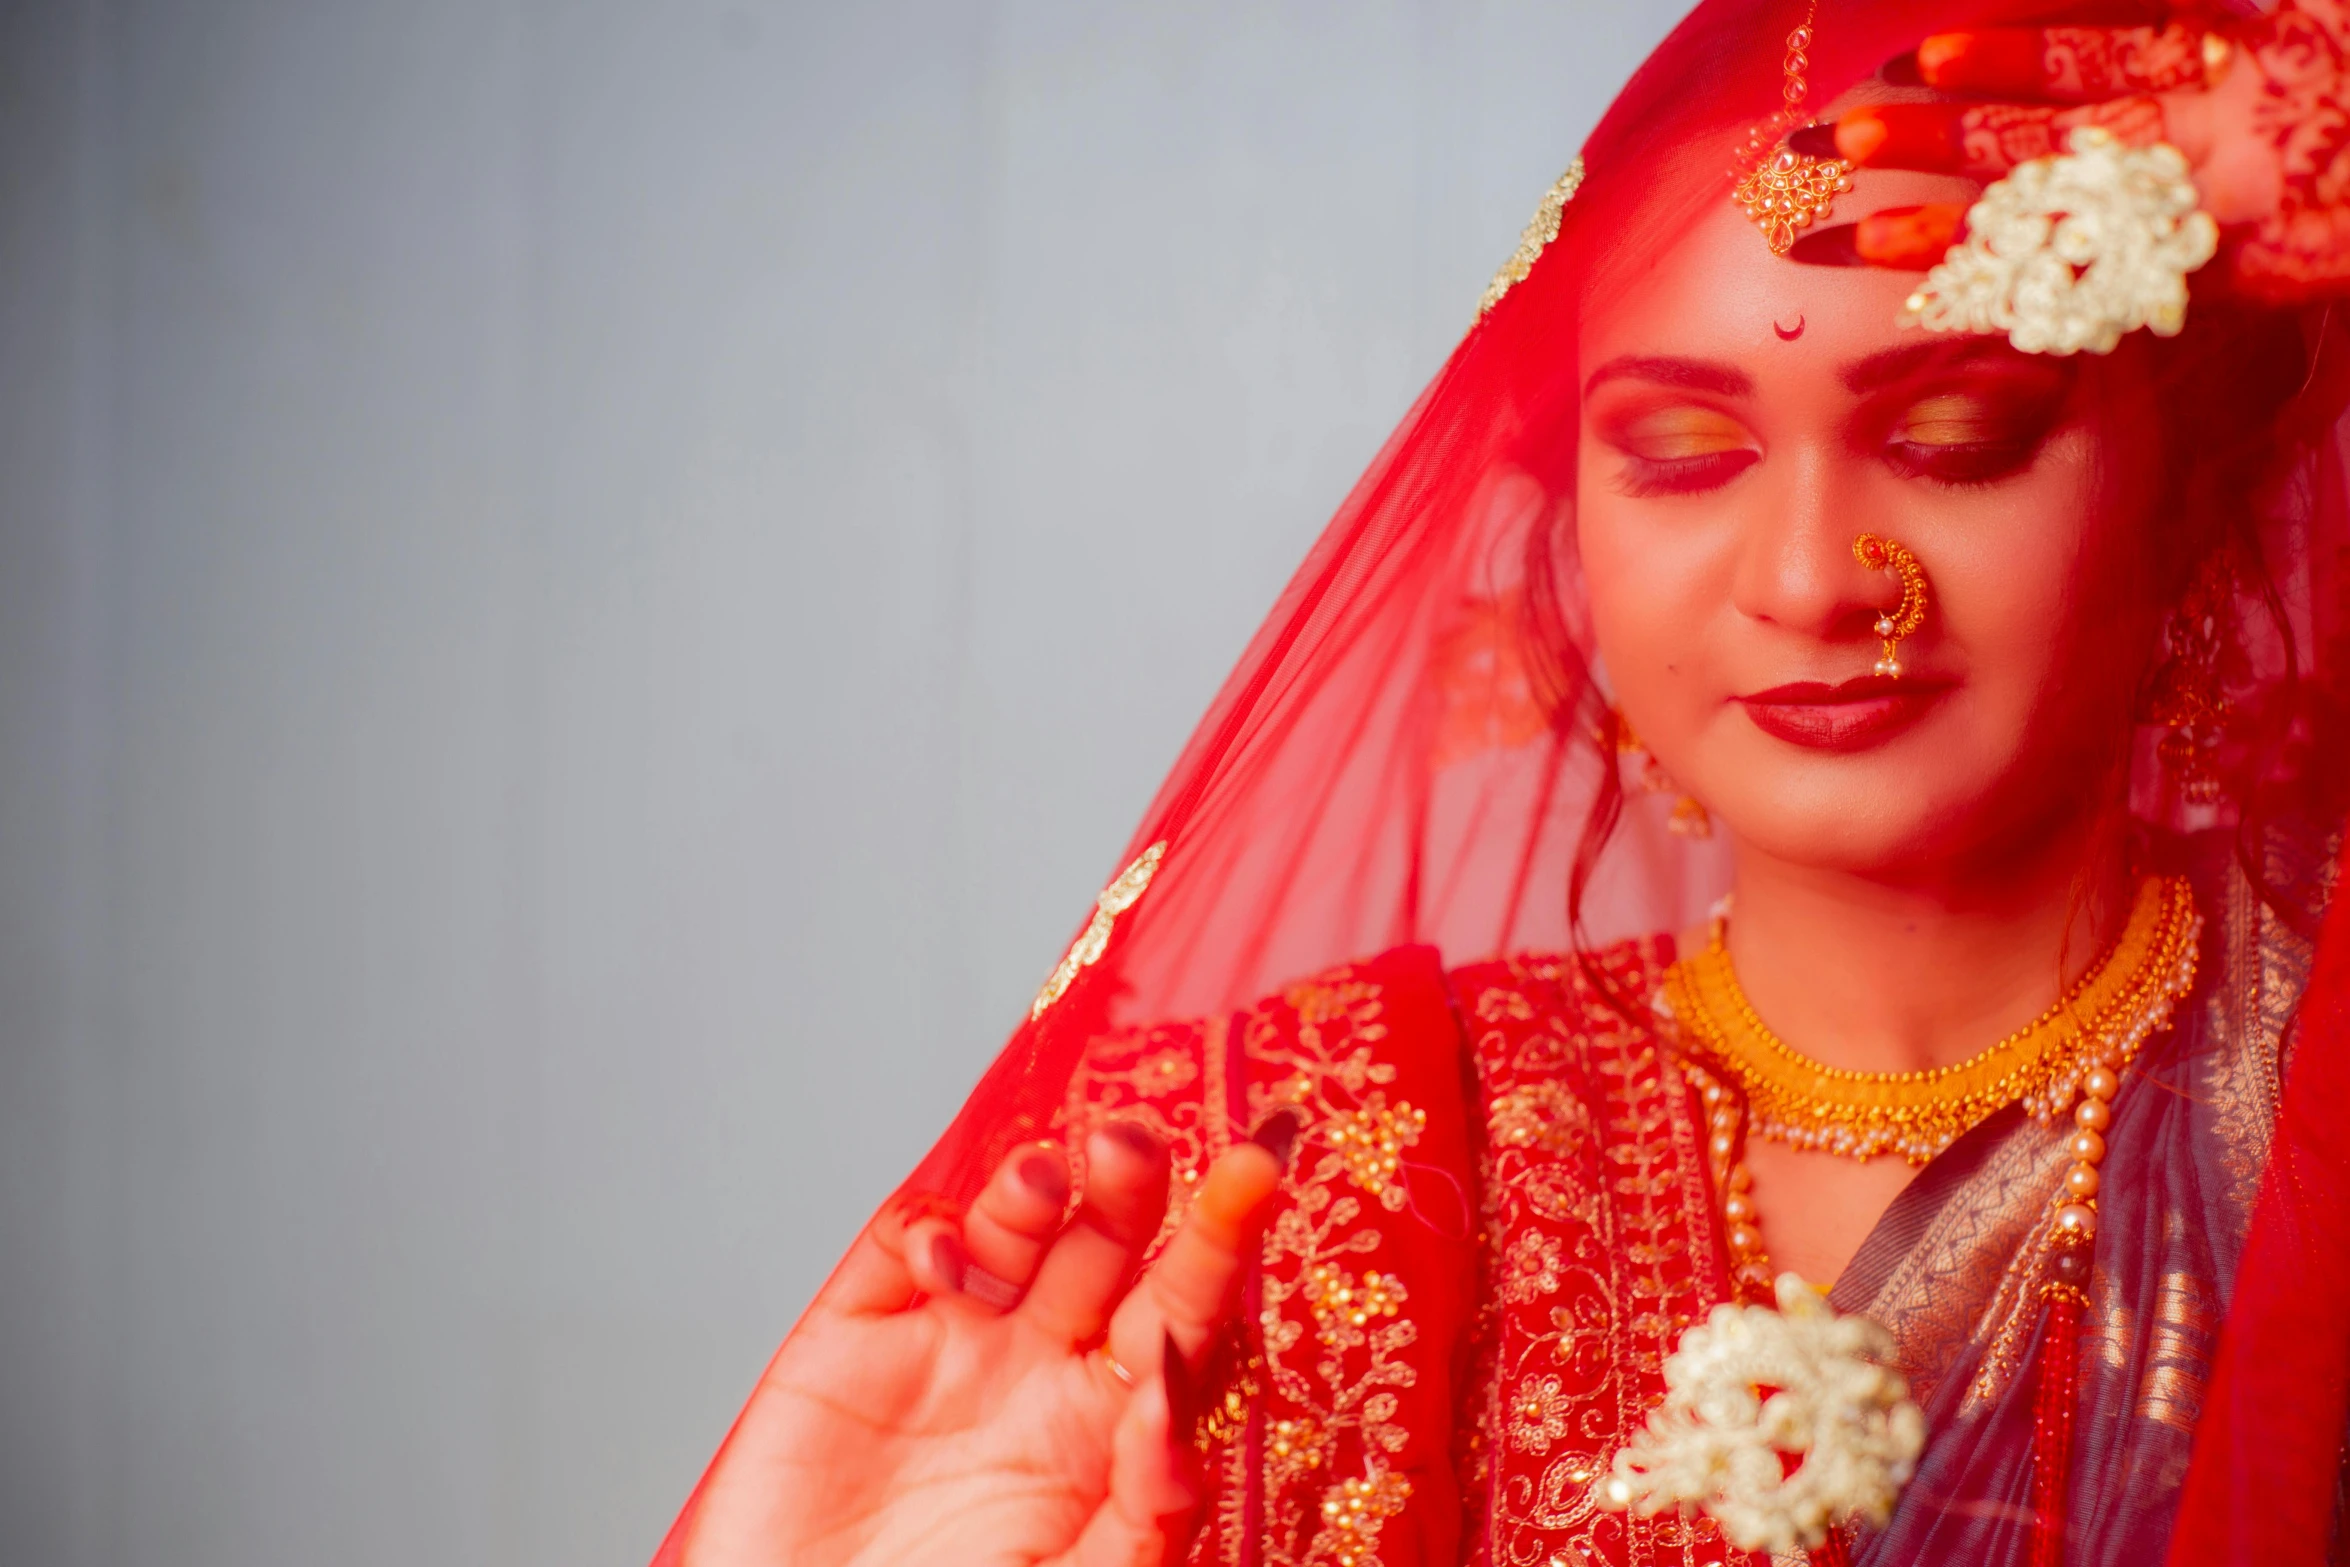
<point x="1880" y="975"/>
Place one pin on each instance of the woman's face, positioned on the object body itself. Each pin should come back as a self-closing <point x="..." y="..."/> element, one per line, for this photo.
<point x="1745" y="418"/>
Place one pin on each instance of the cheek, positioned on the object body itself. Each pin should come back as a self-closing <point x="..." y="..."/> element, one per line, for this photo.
<point x="2044" y="589"/>
<point x="1646" y="599"/>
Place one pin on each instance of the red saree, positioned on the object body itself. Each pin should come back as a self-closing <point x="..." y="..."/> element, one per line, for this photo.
<point x="1500" y="1220"/>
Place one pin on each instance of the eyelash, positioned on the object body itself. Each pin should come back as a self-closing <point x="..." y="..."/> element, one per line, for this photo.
<point x="1965" y="466"/>
<point x="1648" y="476"/>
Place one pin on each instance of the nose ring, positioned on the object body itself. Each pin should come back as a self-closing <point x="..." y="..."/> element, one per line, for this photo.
<point x="1903" y="619"/>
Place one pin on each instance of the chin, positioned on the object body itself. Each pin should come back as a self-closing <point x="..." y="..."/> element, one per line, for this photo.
<point x="1883" y="822"/>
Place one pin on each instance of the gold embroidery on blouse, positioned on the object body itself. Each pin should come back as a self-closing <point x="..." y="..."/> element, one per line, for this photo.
<point x="1353" y="1514"/>
<point x="1538" y="1115"/>
<point x="1371" y="1141"/>
<point x="1360" y="1331"/>
<point x="1540" y="231"/>
<point x="1087" y="949"/>
<point x="1594" y="1182"/>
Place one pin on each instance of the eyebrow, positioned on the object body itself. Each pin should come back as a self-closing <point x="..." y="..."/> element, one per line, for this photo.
<point x="1893" y="365"/>
<point x="1701" y="375"/>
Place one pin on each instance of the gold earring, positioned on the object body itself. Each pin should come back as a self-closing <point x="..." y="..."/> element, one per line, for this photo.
<point x="1690" y="819"/>
<point x="1782" y="191"/>
<point x="1903" y="619"/>
<point x="2188" y="697"/>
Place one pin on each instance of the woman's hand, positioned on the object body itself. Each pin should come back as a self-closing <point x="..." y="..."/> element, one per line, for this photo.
<point x="2260" y="107"/>
<point x="950" y="1397"/>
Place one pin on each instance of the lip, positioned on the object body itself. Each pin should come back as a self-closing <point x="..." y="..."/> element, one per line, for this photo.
<point x="1850" y="716"/>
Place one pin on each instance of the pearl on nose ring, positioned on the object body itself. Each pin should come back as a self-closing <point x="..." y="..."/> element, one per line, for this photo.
<point x="1903" y="620"/>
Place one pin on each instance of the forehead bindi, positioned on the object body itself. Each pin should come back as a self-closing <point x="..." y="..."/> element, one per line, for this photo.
<point x="1717" y="293"/>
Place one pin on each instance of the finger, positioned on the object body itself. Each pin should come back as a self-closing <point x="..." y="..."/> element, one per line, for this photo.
<point x="1980" y="139"/>
<point x="1018" y="1214"/>
<point x="1908" y="239"/>
<point x="942" y="1267"/>
<point x="873" y="1278"/>
<point x="1146" y="1518"/>
<point x="1085" y="1270"/>
<point x="1189" y="1290"/>
<point x="2069" y="64"/>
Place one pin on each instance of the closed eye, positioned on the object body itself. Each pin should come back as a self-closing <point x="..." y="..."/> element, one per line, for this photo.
<point x="1970" y="436"/>
<point x="1679" y="449"/>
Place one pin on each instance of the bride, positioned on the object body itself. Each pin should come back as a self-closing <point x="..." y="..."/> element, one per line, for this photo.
<point x="1812" y="754"/>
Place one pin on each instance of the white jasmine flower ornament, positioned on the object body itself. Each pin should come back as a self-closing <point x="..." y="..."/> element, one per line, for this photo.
<point x="1749" y="1384"/>
<point x="2069" y="253"/>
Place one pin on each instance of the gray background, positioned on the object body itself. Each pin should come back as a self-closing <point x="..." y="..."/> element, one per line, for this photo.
<point x="587" y="591"/>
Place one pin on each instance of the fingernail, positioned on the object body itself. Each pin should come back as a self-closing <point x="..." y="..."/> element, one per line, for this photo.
<point x="1829" y="247"/>
<point x="1044" y="1175"/>
<point x="1815" y="141"/>
<point x="1909" y="237"/>
<point x="1182" y="1401"/>
<point x="1277" y="1134"/>
<point x="1998" y="58"/>
<point x="1901" y="71"/>
<point x="951" y="1260"/>
<point x="1923" y="136"/>
<point x="1135" y="1136"/>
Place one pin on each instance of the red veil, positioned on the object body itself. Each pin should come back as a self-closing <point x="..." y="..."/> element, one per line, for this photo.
<point x="1415" y="747"/>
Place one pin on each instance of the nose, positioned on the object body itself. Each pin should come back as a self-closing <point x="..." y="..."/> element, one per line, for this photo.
<point x="1795" y="567"/>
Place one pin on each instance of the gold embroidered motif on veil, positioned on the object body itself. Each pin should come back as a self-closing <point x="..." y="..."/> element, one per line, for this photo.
<point x="1087" y="949"/>
<point x="1541" y="230"/>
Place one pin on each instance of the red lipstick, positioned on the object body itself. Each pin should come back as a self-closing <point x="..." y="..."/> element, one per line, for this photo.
<point x="1850" y="716"/>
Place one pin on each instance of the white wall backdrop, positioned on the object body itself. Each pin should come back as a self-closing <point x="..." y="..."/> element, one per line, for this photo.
<point x="587" y="591"/>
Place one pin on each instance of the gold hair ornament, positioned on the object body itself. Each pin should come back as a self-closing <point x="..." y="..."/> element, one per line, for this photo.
<point x="2069" y="253"/>
<point x="1782" y="191"/>
<point x="1903" y="620"/>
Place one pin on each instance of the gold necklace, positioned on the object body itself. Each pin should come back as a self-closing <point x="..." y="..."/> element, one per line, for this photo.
<point x="2099" y="1023"/>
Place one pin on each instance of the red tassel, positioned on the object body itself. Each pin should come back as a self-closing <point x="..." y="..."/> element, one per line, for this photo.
<point x="2052" y="1422"/>
<point x="1832" y="1552"/>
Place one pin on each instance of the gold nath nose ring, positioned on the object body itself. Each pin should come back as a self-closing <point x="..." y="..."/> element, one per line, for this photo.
<point x="1902" y="620"/>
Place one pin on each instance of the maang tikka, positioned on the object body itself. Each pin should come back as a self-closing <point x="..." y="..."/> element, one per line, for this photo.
<point x="1784" y="191"/>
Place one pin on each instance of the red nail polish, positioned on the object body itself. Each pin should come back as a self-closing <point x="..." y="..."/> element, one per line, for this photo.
<point x="1815" y="141"/>
<point x="1828" y="247"/>
<point x="1901" y="136"/>
<point x="1277" y="1134"/>
<point x="1182" y="1397"/>
<point x="951" y="1260"/>
<point x="1137" y="1137"/>
<point x="1044" y="1175"/>
<point x="2002" y="59"/>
